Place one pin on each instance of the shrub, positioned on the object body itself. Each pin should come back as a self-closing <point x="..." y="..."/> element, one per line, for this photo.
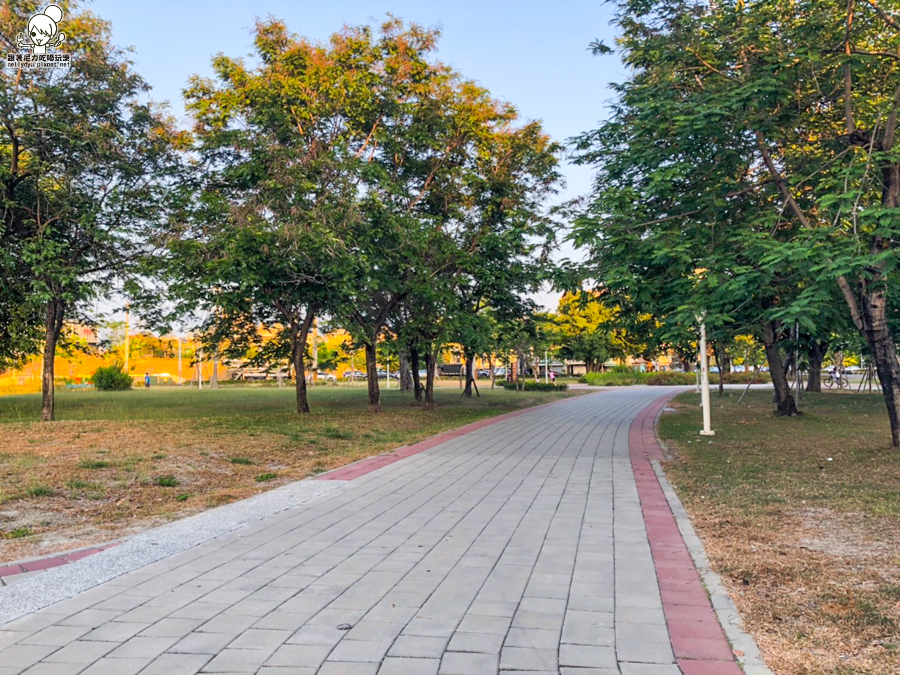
<point x="266" y="477"/>
<point x="614" y="378"/>
<point x="39" y="491"/>
<point x="166" y="481"/>
<point x="241" y="460"/>
<point x="536" y="386"/>
<point x="182" y="498"/>
<point x="669" y="379"/>
<point x="618" y="378"/>
<point x="111" y="378"/>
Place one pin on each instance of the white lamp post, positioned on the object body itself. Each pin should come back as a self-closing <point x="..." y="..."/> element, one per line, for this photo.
<point x="704" y="382"/>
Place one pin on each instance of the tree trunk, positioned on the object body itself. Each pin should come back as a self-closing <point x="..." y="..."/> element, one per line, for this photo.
<point x="406" y="379"/>
<point x="372" y="378"/>
<point x="470" y="375"/>
<point x="490" y="361"/>
<point x="717" y="350"/>
<point x="214" y="378"/>
<point x="520" y="370"/>
<point x="299" y="336"/>
<point x="430" y="360"/>
<point x="884" y="353"/>
<point x="52" y="328"/>
<point x="786" y="406"/>
<point x="816" y="354"/>
<point x="417" y="380"/>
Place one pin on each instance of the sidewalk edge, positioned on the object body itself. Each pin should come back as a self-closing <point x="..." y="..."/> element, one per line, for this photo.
<point x="751" y="661"/>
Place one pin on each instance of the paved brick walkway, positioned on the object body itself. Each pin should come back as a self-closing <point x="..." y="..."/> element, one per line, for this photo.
<point x="518" y="547"/>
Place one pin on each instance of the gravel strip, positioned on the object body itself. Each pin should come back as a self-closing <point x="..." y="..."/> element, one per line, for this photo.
<point x="60" y="583"/>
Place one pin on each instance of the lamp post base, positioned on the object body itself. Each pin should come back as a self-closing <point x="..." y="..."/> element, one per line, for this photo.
<point x="707" y="433"/>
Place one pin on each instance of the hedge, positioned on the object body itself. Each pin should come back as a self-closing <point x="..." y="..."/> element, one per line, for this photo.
<point x="667" y="378"/>
<point x="536" y="386"/>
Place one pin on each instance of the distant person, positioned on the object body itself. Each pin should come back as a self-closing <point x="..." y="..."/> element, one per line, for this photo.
<point x="553" y="376"/>
<point x="147" y="380"/>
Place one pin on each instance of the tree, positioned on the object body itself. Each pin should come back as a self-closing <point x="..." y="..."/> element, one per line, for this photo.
<point x="263" y="245"/>
<point x="503" y="238"/>
<point x="429" y="121"/>
<point x="84" y="163"/>
<point x="799" y="102"/>
<point x="587" y="330"/>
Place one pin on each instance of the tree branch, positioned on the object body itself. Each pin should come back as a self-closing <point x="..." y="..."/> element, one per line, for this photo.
<point x="847" y="292"/>
<point x="780" y="181"/>
<point x="887" y="18"/>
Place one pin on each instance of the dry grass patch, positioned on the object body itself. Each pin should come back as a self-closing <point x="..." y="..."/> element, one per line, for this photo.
<point x="165" y="454"/>
<point x="801" y="517"/>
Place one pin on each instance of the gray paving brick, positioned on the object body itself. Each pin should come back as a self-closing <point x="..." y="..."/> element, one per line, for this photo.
<point x="481" y="643"/>
<point x="117" y="667"/>
<point x="307" y="656"/>
<point x="582" y="656"/>
<point x="476" y="623"/>
<point x="171" y="627"/>
<point x="177" y="664"/>
<point x="47" y="669"/>
<point x="227" y="624"/>
<point x="237" y="661"/>
<point x="81" y="652"/>
<point x="459" y="663"/>
<point x="644" y="651"/>
<point x="418" y="647"/>
<point x="142" y="647"/>
<point x="359" y="650"/>
<point x="261" y="639"/>
<point x="55" y="635"/>
<point x="317" y="635"/>
<point x="115" y="631"/>
<point x="522" y="658"/>
<point x="649" y="669"/>
<point x="335" y="668"/>
<point x="398" y="666"/>
<point x="202" y="643"/>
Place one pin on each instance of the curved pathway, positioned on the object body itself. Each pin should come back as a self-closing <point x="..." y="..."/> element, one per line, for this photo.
<point x="519" y="546"/>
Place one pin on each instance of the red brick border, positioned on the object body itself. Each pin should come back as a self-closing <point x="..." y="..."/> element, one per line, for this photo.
<point x="697" y="638"/>
<point x="364" y="466"/>
<point x="53" y="561"/>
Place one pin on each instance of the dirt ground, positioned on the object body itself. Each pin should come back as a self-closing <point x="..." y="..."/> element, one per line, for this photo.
<point x="801" y="519"/>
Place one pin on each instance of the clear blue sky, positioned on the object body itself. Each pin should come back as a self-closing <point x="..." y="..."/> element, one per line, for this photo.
<point x="532" y="53"/>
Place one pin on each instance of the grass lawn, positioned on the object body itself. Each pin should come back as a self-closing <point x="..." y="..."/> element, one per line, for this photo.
<point x="801" y="517"/>
<point x="116" y="463"/>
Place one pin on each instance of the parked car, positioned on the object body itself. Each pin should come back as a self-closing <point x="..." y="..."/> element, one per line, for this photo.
<point x="354" y="375"/>
<point x="383" y="375"/>
<point x="853" y="370"/>
<point x="423" y="374"/>
<point x="326" y="377"/>
<point x="484" y="372"/>
<point x="500" y="373"/>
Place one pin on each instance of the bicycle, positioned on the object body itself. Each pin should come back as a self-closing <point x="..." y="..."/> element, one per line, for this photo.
<point x="841" y="382"/>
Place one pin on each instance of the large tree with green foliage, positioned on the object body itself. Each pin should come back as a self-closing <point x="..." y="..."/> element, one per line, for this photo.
<point x="83" y="162"/>
<point x="754" y="140"/>
<point x="264" y="242"/>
